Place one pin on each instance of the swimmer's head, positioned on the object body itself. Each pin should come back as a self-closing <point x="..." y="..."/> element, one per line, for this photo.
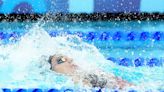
<point x="62" y="64"/>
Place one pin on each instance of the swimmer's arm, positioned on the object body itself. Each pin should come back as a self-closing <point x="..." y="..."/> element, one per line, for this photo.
<point x="77" y="79"/>
<point x="122" y="83"/>
<point x="119" y="82"/>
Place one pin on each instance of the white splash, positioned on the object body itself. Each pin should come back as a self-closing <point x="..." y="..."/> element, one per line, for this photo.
<point x="24" y="64"/>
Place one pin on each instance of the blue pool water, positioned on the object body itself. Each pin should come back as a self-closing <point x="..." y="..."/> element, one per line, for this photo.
<point x="131" y="50"/>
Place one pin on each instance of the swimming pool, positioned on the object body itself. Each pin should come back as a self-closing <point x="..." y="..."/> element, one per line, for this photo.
<point x="132" y="50"/>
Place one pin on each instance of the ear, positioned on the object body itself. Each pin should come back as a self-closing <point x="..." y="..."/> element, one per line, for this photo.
<point x="49" y="60"/>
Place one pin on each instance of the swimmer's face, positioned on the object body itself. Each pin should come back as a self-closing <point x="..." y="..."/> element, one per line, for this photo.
<point x="62" y="64"/>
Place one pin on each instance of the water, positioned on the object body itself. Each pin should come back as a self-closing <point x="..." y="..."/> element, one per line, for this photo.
<point x="23" y="57"/>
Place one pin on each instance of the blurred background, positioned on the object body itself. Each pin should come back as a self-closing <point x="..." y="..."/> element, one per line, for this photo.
<point x="80" y="6"/>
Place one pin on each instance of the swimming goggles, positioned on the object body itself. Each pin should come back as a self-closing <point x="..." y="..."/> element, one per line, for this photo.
<point x="61" y="60"/>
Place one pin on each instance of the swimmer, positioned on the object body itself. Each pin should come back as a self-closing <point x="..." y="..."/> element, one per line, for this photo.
<point x="65" y="65"/>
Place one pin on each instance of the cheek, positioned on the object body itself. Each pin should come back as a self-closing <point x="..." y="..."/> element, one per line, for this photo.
<point x="61" y="67"/>
<point x="58" y="68"/>
<point x="68" y="65"/>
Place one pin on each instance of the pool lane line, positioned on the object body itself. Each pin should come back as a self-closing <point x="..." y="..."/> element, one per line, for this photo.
<point x="138" y="62"/>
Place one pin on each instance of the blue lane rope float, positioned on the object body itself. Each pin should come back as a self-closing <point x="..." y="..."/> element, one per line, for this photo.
<point x="126" y="62"/>
<point x="131" y="36"/>
<point x="53" y="90"/>
<point x="104" y="36"/>
<point x="91" y="36"/>
<point x="79" y="34"/>
<point x="20" y="90"/>
<point x="2" y="35"/>
<point x="144" y="36"/>
<point x="113" y="59"/>
<point x="154" y="62"/>
<point x="137" y="62"/>
<point x="14" y="35"/>
<point x="37" y="90"/>
<point x="53" y="34"/>
<point x="6" y="90"/>
<point x="68" y="90"/>
<point x="157" y="36"/>
<point x="117" y="36"/>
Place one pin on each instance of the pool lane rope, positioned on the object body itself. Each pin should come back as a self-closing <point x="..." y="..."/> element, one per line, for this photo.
<point x="104" y="36"/>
